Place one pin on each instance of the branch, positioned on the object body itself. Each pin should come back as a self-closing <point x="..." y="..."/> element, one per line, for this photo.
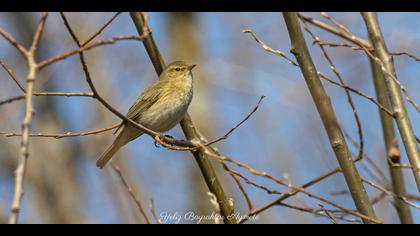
<point x="153" y="211"/>
<point x="323" y="76"/>
<point x="66" y="135"/>
<point x="323" y="104"/>
<point x="329" y="215"/>
<point x="226" y="136"/>
<point x="370" y="98"/>
<point x="349" y="97"/>
<point x="130" y="191"/>
<point x="47" y="62"/>
<point x="112" y="109"/>
<point x="393" y="88"/>
<point x="365" y="46"/>
<point x="187" y="125"/>
<point x="13" y="42"/>
<point x="101" y="29"/>
<point x="294" y="188"/>
<point x="288" y="195"/>
<point x="390" y="193"/>
<point x="391" y="143"/>
<point x="335" y="31"/>
<point x="269" y="49"/>
<point x="10" y="72"/>
<point x="24" y="148"/>
<point x="13" y="99"/>
<point x="320" y="212"/>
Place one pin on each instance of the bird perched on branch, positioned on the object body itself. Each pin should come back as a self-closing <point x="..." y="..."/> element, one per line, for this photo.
<point x="160" y="107"/>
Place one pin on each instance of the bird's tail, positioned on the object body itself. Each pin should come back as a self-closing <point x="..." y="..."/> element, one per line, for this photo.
<point x="111" y="150"/>
<point x="126" y="135"/>
<point x="107" y="155"/>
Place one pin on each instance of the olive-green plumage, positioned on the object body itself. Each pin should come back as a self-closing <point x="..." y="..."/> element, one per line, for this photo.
<point x="160" y="107"/>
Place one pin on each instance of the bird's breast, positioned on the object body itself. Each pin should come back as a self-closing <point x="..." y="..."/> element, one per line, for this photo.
<point x="169" y="110"/>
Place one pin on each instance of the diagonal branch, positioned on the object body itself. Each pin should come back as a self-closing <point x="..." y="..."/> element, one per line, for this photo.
<point x="395" y="96"/>
<point x="101" y="29"/>
<point x="12" y="41"/>
<point x="391" y="143"/>
<point x="328" y="117"/>
<point x="188" y="127"/>
<point x="130" y="191"/>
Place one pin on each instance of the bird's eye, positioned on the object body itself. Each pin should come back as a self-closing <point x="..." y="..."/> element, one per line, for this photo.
<point x="178" y="69"/>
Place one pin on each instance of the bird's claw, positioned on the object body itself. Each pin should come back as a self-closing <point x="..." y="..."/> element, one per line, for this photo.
<point x="157" y="144"/>
<point x="166" y="136"/>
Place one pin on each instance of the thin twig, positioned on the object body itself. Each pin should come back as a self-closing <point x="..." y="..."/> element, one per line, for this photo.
<point x="13" y="99"/>
<point x="357" y="48"/>
<point x="318" y="212"/>
<point x="412" y="56"/>
<point x="66" y="135"/>
<point x="288" y="195"/>
<point x="238" y="125"/>
<point x="382" y="177"/>
<point x="130" y="191"/>
<point x="333" y="30"/>
<point x="365" y="46"/>
<point x="240" y="186"/>
<point x="390" y="193"/>
<point x="292" y="187"/>
<point x="10" y="72"/>
<point x="61" y="94"/>
<point x="323" y="76"/>
<point x="101" y="29"/>
<point x="64" y="94"/>
<point x="346" y="87"/>
<point x="153" y="211"/>
<point x="349" y="97"/>
<point x="269" y="49"/>
<point x="13" y="42"/>
<point x="328" y="214"/>
<point x="96" y="95"/>
<point x="62" y="56"/>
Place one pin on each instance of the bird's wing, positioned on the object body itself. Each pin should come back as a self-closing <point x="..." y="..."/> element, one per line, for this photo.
<point x="149" y="97"/>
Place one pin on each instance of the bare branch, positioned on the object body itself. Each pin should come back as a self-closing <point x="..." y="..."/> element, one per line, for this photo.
<point x="129" y="190"/>
<point x="269" y="49"/>
<point x="66" y="135"/>
<point x="10" y="72"/>
<point x="13" y="99"/>
<point x="24" y="149"/>
<point x="323" y="76"/>
<point x="238" y="125"/>
<point x="47" y="62"/>
<point x="13" y="42"/>
<point x="153" y="211"/>
<point x="393" y="85"/>
<point x="329" y="215"/>
<point x="101" y="29"/>
<point x="328" y="117"/>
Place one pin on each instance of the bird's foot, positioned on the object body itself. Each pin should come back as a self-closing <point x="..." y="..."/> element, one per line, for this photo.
<point x="164" y="135"/>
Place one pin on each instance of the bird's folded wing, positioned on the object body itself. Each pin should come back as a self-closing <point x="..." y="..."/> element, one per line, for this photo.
<point x="149" y="97"/>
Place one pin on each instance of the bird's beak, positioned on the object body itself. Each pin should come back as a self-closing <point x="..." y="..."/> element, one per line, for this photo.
<point x="191" y="67"/>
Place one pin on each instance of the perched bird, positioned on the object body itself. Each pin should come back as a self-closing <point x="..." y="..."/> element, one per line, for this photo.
<point x="160" y="107"/>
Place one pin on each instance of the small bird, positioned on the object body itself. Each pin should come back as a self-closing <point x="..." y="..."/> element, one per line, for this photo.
<point x="160" y="107"/>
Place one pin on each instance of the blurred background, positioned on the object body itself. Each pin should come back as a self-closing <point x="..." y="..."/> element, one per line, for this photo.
<point x="284" y="138"/>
